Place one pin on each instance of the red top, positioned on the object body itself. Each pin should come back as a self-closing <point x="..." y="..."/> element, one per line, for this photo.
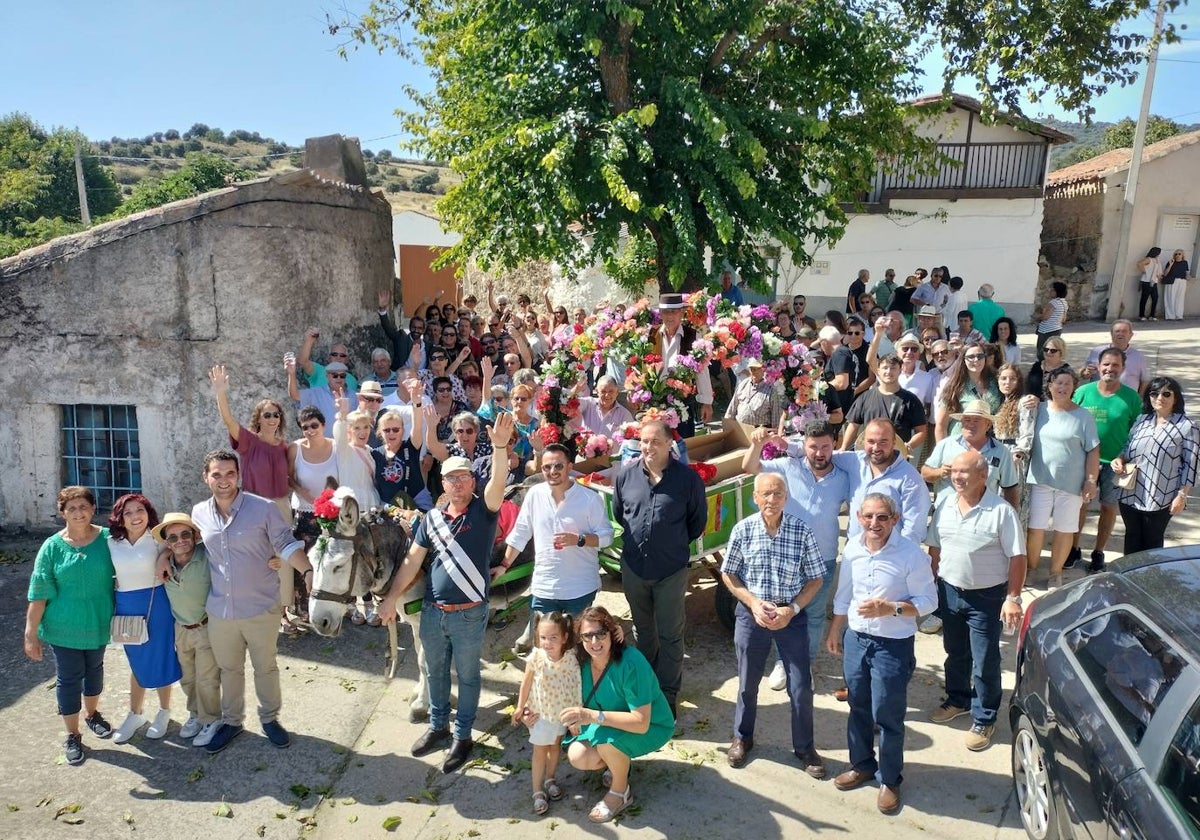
<point x="264" y="466"/>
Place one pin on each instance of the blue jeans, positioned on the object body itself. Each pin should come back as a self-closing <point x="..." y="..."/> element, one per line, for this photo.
<point x="77" y="672"/>
<point x="877" y="672"/>
<point x="752" y="644"/>
<point x="571" y="606"/>
<point x="971" y="635"/>
<point x="457" y="636"/>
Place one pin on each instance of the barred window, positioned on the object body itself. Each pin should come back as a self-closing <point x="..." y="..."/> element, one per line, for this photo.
<point x="101" y="450"/>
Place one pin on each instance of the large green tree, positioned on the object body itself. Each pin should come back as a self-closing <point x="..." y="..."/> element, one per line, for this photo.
<point x="699" y="124"/>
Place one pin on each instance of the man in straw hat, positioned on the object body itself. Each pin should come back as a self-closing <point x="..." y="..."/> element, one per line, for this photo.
<point x="672" y="337"/>
<point x="977" y="547"/>
<point x="976" y="435"/>
<point x="187" y="587"/>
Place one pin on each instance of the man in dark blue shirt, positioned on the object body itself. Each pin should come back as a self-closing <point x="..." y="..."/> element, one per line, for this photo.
<point x="660" y="505"/>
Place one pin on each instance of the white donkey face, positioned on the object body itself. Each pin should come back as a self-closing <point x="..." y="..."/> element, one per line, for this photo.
<point x="332" y="568"/>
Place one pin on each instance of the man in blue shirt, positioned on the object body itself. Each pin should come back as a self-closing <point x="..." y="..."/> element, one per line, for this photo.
<point x="659" y="504"/>
<point x="774" y="568"/>
<point x="460" y="536"/>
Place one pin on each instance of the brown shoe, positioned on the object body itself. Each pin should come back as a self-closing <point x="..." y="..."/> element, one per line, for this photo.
<point x="737" y="751"/>
<point x="813" y="764"/>
<point x="842" y="695"/>
<point x="889" y="800"/>
<point x="851" y="779"/>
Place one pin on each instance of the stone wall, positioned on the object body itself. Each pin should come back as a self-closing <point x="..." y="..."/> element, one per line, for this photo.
<point x="135" y="312"/>
<point x="1071" y="228"/>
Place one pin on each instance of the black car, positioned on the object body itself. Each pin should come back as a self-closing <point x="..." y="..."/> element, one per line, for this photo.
<point x="1106" y="710"/>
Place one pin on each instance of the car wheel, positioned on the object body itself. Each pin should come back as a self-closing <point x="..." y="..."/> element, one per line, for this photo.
<point x="1031" y="778"/>
<point x="725" y="605"/>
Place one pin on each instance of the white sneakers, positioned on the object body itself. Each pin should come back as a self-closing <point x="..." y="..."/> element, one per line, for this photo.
<point x="778" y="679"/>
<point x="191" y="728"/>
<point x="930" y="625"/>
<point x="206" y="733"/>
<point x="158" y="728"/>
<point x="129" y="727"/>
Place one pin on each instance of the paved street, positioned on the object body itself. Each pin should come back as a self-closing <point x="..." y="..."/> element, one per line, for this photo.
<point x="349" y="769"/>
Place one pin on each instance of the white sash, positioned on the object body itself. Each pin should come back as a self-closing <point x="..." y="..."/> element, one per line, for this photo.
<point x="454" y="560"/>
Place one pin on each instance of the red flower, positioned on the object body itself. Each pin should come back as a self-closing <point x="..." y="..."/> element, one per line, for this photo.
<point x="633" y="360"/>
<point x="323" y="506"/>
<point x="579" y="329"/>
<point x="550" y="434"/>
<point x="706" y="471"/>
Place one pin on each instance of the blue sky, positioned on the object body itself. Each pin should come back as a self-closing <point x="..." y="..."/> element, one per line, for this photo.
<point x="135" y="67"/>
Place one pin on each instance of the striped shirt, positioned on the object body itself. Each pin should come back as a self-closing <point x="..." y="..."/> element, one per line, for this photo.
<point x="774" y="568"/>
<point x="1166" y="456"/>
<point x="1058" y="308"/>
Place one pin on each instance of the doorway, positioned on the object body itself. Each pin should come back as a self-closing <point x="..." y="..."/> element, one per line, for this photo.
<point x="1181" y="232"/>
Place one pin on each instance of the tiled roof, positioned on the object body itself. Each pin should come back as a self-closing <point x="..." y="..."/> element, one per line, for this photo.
<point x="1093" y="169"/>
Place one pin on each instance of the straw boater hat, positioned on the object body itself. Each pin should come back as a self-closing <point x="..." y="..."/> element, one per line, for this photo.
<point x="754" y="362"/>
<point x="671" y="300"/>
<point x="907" y="339"/>
<point x="370" y="388"/>
<point x="928" y="310"/>
<point x="173" y="519"/>
<point x="975" y="408"/>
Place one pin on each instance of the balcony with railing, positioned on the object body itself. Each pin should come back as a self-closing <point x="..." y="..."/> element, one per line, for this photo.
<point x="969" y="170"/>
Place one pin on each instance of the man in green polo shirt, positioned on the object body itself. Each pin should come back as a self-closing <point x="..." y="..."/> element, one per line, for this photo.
<point x="187" y="589"/>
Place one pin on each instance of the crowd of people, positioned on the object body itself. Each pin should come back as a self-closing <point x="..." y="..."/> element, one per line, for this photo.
<point x="952" y="458"/>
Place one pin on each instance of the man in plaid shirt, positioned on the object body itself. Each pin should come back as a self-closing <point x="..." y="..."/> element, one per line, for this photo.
<point x="774" y="567"/>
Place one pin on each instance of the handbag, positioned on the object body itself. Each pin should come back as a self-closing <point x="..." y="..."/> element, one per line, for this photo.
<point x="131" y="629"/>
<point x="1128" y="479"/>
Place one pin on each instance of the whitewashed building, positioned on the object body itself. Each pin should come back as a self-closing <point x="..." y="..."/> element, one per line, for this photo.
<point x="982" y="219"/>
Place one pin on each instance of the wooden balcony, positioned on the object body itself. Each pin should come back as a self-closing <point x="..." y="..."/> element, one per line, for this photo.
<point x="973" y="170"/>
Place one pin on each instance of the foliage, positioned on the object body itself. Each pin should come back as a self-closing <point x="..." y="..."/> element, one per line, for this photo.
<point x="694" y="125"/>
<point x="1104" y="137"/>
<point x="1120" y="135"/>
<point x="201" y="173"/>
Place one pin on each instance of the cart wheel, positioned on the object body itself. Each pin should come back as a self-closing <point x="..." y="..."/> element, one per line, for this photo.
<point x="725" y="604"/>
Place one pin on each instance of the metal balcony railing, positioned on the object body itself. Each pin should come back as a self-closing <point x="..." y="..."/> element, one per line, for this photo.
<point x="972" y="166"/>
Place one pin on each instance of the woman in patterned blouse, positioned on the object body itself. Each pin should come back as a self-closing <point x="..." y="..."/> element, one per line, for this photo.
<point x="1164" y="448"/>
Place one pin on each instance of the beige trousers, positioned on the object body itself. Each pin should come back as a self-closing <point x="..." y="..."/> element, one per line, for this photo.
<point x="201" y="677"/>
<point x="231" y="640"/>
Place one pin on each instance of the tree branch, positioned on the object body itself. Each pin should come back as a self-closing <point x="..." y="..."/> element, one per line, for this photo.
<point x="614" y="70"/>
<point x="722" y="47"/>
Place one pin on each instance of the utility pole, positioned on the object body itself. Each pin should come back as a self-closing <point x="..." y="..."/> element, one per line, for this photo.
<point x="1116" y="298"/>
<point x="79" y="182"/>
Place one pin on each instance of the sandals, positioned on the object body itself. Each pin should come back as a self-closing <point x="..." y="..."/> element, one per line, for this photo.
<point x="552" y="789"/>
<point x="601" y="813"/>
<point x="540" y="803"/>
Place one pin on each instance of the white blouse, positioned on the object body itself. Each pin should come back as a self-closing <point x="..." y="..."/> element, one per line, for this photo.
<point x="134" y="562"/>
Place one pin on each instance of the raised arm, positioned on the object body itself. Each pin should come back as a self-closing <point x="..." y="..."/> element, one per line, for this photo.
<point x="220" y="383"/>
<point x="517" y="331"/>
<point x="881" y="325"/>
<point x="462" y="356"/>
<point x="416" y="396"/>
<point x="436" y="448"/>
<point x="502" y="437"/>
<point x="293" y="386"/>
<point x="491" y="293"/>
<point x="304" y="360"/>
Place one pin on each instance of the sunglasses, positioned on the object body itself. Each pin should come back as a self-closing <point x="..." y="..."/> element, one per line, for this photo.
<point x="1164" y="394"/>
<point x="1051" y="350"/>
<point x="594" y="636"/>
<point x="910" y="349"/>
<point x="391" y="431"/>
<point x="854" y="332"/>
<point x="467" y="431"/>
<point x="449" y="334"/>
<point x="339" y="355"/>
<point x="308" y="427"/>
<point x="186" y="535"/>
<point x="442" y="390"/>
<point x="272" y="414"/>
<point x="553" y="468"/>
<point x="437" y="358"/>
<point x="336" y="375"/>
<point x="876" y="517"/>
<point x="370" y="399"/>
<point x="974" y="357"/>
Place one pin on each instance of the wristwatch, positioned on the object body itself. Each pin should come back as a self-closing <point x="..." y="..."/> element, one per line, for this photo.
<point x="581" y="541"/>
<point x="600" y="718"/>
<point x="899" y="611"/>
<point x="1015" y="599"/>
<point x="795" y="608"/>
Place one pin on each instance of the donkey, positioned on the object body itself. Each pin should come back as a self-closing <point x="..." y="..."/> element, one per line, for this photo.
<point x="357" y="558"/>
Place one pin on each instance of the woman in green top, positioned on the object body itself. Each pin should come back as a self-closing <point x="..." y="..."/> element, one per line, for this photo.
<point x="70" y="607"/>
<point x="624" y="712"/>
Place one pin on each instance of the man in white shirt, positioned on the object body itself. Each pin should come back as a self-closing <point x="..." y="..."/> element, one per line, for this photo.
<point x="886" y="584"/>
<point x="1137" y="367"/>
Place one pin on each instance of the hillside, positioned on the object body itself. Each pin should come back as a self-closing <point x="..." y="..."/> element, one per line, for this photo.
<point x="407" y="184"/>
<point x="1089" y="139"/>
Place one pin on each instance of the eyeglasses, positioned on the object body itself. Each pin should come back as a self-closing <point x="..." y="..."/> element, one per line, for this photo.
<point x="875" y="517"/>
<point x="442" y="390"/>
<point x="391" y="431"/>
<point x="594" y="636"/>
<point x="465" y="431"/>
<point x="910" y="349"/>
<point x="1166" y="395"/>
<point x="449" y="334"/>
<point x="338" y="355"/>
<point x="854" y="332"/>
<point x="457" y="478"/>
<point x="1051" y="350"/>
<point x="553" y="468"/>
<point x="308" y="427"/>
<point x="174" y="538"/>
<point x="975" y="357"/>
<point x="941" y="352"/>
<point x="438" y="358"/>
<point x="336" y="375"/>
<point x="370" y="399"/>
<point x="275" y="415"/>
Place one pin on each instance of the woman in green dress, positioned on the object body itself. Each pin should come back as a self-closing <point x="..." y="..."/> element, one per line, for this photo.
<point x="70" y="607"/>
<point x="624" y="712"/>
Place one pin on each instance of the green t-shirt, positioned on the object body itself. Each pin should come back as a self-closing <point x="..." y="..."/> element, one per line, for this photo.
<point x="1114" y="416"/>
<point x="77" y="586"/>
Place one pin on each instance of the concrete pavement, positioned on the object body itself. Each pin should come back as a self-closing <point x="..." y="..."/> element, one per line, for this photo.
<point x="349" y="769"/>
